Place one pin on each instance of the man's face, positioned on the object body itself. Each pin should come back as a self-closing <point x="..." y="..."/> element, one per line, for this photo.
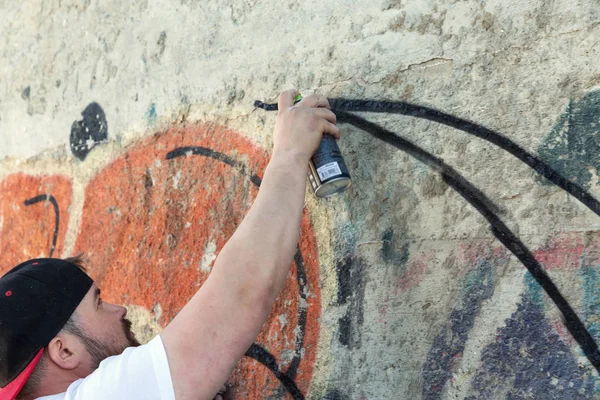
<point x="104" y="330"/>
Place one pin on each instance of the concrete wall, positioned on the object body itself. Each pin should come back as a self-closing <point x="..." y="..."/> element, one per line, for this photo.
<point x="128" y="131"/>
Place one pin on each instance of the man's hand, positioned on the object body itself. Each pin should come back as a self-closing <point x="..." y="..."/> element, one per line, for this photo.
<point x="299" y="128"/>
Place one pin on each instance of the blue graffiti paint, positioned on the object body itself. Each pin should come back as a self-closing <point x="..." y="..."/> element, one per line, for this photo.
<point x="151" y="114"/>
<point x="531" y="361"/>
<point x="591" y="300"/>
<point x="534" y="290"/>
<point x="478" y="286"/>
<point x="591" y="305"/>
<point x="573" y="145"/>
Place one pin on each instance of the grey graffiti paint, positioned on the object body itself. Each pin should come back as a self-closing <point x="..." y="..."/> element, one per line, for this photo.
<point x="449" y="344"/>
<point x="351" y="292"/>
<point x="529" y="361"/>
<point x="389" y="251"/>
<point x="335" y="394"/>
<point x="350" y="272"/>
<point x="88" y="132"/>
<point x="573" y="145"/>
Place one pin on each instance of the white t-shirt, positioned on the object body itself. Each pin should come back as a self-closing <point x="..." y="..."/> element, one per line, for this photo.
<point x="138" y="373"/>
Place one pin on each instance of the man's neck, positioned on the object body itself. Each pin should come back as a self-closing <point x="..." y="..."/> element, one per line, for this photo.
<point x="54" y="383"/>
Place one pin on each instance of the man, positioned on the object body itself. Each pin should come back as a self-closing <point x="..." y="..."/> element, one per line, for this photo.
<point x="59" y="340"/>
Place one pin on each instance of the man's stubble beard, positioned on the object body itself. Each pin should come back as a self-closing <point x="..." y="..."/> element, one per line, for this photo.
<point x="100" y="350"/>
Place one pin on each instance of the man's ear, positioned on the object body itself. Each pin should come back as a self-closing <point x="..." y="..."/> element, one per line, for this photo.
<point x="65" y="351"/>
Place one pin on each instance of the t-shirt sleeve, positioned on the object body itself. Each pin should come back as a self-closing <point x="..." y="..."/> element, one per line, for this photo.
<point x="138" y="373"/>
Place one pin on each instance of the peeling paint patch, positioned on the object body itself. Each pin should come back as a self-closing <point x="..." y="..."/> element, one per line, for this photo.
<point x="209" y="256"/>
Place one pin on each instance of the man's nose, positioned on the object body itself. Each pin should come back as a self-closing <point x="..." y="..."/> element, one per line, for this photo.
<point x="119" y="310"/>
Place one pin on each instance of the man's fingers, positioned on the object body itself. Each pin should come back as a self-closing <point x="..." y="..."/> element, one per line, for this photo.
<point x="326" y="114"/>
<point x="286" y="99"/>
<point x="315" y="100"/>
<point x="331" y="129"/>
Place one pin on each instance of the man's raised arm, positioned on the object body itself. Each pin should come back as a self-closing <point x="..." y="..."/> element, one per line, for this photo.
<point x="213" y="331"/>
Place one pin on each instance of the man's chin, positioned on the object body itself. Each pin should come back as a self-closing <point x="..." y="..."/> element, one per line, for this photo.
<point x="129" y="335"/>
<point x="132" y="340"/>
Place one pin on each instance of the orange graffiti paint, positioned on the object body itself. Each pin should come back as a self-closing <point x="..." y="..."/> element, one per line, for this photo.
<point x="152" y="227"/>
<point x="30" y="230"/>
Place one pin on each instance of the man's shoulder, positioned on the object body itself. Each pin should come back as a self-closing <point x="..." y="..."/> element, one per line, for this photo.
<point x="60" y="396"/>
<point x="139" y="371"/>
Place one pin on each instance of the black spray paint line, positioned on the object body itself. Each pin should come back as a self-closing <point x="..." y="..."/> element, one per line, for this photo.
<point x="51" y="199"/>
<point x="298" y="258"/>
<point x="413" y="110"/>
<point x="397" y="107"/>
<point x="476" y="198"/>
<point x="206" y="152"/>
<point x="302" y="314"/>
<point x="265" y="358"/>
<point x="420" y="154"/>
<point x="499" y="229"/>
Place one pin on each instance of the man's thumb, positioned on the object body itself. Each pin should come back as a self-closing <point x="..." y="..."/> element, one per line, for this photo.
<point x="286" y="99"/>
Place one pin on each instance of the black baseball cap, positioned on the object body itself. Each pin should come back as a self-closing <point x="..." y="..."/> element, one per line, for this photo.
<point x="37" y="298"/>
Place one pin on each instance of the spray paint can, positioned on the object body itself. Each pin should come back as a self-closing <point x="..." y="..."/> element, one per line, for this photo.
<point x="328" y="173"/>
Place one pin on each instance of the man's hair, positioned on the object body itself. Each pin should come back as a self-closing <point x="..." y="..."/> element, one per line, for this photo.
<point x="34" y="381"/>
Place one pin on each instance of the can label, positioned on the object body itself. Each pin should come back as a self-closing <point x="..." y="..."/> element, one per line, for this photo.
<point x="328" y="173"/>
<point x="329" y="170"/>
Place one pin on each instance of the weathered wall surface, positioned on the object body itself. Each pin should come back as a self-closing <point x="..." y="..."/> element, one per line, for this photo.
<point x="128" y="131"/>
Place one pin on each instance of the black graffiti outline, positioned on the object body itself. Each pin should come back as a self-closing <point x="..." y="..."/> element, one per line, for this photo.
<point x="261" y="355"/>
<point x="51" y="199"/>
<point x="256" y="351"/>
<point x="499" y="229"/>
<point x="461" y="185"/>
<point x="430" y="114"/>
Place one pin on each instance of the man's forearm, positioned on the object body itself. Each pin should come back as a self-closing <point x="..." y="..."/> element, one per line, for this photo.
<point x="261" y="249"/>
<point x="217" y="326"/>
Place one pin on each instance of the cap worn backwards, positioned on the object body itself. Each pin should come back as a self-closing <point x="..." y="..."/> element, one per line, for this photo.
<point x="37" y="298"/>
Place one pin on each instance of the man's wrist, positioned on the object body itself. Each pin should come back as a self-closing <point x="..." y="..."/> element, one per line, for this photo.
<point x="290" y="158"/>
